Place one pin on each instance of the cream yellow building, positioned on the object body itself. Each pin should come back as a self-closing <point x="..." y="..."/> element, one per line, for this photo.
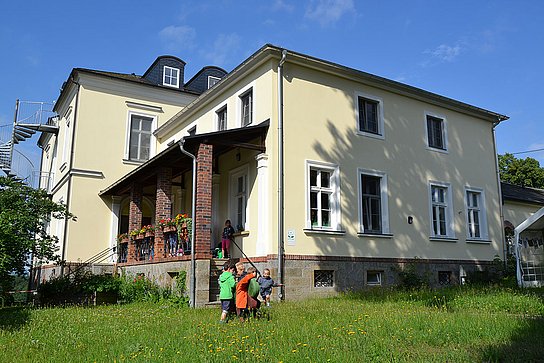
<point x="334" y="178"/>
<point x="105" y="123"/>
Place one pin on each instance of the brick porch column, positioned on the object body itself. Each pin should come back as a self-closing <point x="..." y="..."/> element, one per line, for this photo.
<point x="134" y="216"/>
<point x="163" y="206"/>
<point x="203" y="217"/>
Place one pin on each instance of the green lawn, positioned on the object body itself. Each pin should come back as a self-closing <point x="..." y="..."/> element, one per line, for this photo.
<point x="457" y="325"/>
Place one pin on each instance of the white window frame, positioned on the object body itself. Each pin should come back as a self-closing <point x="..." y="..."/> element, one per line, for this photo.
<point x="172" y="69"/>
<point x="334" y="170"/>
<point x="250" y="87"/>
<point x="216" y="111"/>
<point x="380" y="120"/>
<point x="450" y="233"/>
<point x="444" y="132"/>
<point x="384" y="204"/>
<point x="482" y="211"/>
<point x="67" y="139"/>
<point x="214" y="80"/>
<point x="242" y="171"/>
<point x="152" y="140"/>
<point x="379" y="274"/>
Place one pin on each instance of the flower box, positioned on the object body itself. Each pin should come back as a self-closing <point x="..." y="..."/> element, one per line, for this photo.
<point x="140" y="236"/>
<point x="125" y="239"/>
<point x="149" y="233"/>
<point x="166" y="229"/>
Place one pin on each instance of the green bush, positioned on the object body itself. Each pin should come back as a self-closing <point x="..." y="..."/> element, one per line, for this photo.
<point x="141" y="289"/>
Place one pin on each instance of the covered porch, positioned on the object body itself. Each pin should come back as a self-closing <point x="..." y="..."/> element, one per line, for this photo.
<point x="149" y="198"/>
<point x="529" y="242"/>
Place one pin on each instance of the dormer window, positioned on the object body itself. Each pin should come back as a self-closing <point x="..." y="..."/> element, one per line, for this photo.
<point x="212" y="81"/>
<point x="170" y="77"/>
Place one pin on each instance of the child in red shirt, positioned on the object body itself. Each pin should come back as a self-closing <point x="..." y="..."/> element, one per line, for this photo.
<point x="242" y="294"/>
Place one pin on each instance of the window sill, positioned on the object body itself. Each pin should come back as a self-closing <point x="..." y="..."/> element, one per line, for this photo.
<point x="479" y="241"/>
<point x="132" y="162"/>
<point x="443" y="151"/>
<point x="324" y="231"/>
<point x="443" y="239"/>
<point x="241" y="234"/>
<point x="370" y="134"/>
<point x="377" y="235"/>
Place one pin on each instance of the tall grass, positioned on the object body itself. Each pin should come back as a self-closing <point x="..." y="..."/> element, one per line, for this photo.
<point x="454" y="325"/>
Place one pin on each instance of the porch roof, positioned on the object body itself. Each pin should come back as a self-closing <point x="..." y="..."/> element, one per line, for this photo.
<point x="174" y="158"/>
<point x="534" y="222"/>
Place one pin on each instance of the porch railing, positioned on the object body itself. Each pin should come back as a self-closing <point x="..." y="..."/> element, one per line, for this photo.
<point x="174" y="246"/>
<point x="145" y="249"/>
<point x="122" y="255"/>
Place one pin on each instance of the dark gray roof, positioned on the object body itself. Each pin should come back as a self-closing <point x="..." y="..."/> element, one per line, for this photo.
<point x="522" y="194"/>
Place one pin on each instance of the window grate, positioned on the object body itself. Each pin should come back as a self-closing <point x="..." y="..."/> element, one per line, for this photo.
<point x="444" y="277"/>
<point x="323" y="278"/>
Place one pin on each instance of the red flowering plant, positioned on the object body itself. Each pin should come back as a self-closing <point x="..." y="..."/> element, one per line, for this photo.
<point x="167" y="222"/>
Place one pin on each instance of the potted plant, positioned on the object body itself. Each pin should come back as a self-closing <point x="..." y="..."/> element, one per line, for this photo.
<point x="167" y="225"/>
<point x="122" y="238"/>
<point x="148" y="231"/>
<point x="135" y="234"/>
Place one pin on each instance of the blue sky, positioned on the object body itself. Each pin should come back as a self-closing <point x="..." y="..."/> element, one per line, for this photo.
<point x="486" y="53"/>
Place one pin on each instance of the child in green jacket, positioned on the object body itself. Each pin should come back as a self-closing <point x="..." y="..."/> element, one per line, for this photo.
<point x="227" y="284"/>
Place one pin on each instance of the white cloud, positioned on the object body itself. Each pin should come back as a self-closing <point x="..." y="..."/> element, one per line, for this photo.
<point x="445" y="53"/>
<point x="178" y="38"/>
<point x="328" y="11"/>
<point x="224" y="47"/>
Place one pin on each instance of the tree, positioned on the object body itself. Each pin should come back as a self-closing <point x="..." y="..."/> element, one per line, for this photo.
<point x="24" y="215"/>
<point x="524" y="172"/>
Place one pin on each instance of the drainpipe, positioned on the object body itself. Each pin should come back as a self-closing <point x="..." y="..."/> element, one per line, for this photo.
<point x="504" y="249"/>
<point x="192" y="282"/>
<point x="281" y="294"/>
<point x="69" y="171"/>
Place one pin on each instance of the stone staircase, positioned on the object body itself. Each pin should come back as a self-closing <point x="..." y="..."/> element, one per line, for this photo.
<point x="216" y="268"/>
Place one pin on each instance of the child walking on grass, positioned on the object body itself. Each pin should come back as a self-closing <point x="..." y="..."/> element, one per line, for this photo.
<point x="266" y="283"/>
<point x="227" y="284"/>
<point x="242" y="293"/>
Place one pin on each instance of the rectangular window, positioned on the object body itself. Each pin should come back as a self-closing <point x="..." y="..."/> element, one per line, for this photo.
<point x="476" y="217"/>
<point x="374" y="278"/>
<point x="140" y="137"/>
<point x="373" y="209"/>
<point x="372" y="221"/>
<point x="436" y="132"/>
<point x="441" y="210"/>
<point x="323" y="278"/>
<point x="246" y="108"/>
<point x="368" y="116"/>
<point x="212" y="81"/>
<point x="239" y="195"/>
<point x="222" y="119"/>
<point x="170" y="76"/>
<point x="323" y="196"/>
<point x="444" y="277"/>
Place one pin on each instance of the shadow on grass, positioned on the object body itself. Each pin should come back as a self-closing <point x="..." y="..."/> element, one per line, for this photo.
<point x="13" y="318"/>
<point x="525" y="345"/>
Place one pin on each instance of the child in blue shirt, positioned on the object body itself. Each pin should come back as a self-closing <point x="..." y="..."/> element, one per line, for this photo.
<point x="267" y="284"/>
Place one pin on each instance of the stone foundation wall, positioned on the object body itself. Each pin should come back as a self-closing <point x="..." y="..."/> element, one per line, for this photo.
<point x="302" y="273"/>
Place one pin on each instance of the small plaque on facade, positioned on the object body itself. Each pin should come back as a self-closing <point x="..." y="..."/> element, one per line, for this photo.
<point x="291" y="239"/>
